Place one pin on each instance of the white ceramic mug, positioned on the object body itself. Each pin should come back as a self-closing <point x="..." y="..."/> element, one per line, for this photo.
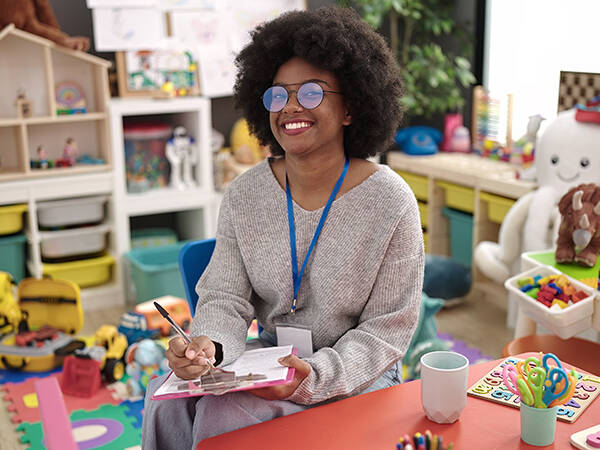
<point x="444" y="385"/>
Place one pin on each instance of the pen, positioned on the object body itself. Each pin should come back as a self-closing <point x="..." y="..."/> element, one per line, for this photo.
<point x="163" y="312"/>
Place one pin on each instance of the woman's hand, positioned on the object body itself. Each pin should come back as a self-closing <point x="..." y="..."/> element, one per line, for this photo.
<point x="283" y="391"/>
<point x="189" y="361"/>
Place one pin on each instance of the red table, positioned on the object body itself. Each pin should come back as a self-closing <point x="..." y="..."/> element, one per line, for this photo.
<point x="376" y="421"/>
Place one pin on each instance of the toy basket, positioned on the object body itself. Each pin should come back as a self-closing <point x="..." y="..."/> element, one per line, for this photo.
<point x="565" y="323"/>
<point x="75" y="242"/>
<point x="11" y="218"/>
<point x="12" y="255"/>
<point x="74" y="211"/>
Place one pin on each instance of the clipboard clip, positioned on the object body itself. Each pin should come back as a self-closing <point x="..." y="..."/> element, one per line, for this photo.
<point x="220" y="381"/>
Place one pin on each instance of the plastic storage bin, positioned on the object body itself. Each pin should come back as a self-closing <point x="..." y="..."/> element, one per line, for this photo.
<point x="153" y="237"/>
<point x="155" y="271"/>
<point x="74" y="211"/>
<point x="12" y="256"/>
<point x="84" y="272"/>
<point x="146" y="164"/>
<point x="11" y="218"/>
<point x="74" y="242"/>
<point x="497" y="206"/>
<point x="458" y="197"/>
<point x="461" y="235"/>
<point x="565" y="323"/>
<point x="418" y="184"/>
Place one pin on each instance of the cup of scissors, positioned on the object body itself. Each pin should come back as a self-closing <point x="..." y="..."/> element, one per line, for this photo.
<point x="542" y="388"/>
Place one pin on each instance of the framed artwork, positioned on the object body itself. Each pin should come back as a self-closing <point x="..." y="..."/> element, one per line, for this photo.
<point x="156" y="73"/>
<point x="577" y="87"/>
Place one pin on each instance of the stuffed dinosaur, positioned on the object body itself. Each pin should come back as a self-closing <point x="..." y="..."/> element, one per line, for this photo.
<point x="567" y="154"/>
<point x="37" y="17"/>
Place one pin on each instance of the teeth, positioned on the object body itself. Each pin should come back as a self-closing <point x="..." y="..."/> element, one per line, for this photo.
<point x="296" y="125"/>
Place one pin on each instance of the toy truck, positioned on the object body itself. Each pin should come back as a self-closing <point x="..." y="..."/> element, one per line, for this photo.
<point x="135" y="327"/>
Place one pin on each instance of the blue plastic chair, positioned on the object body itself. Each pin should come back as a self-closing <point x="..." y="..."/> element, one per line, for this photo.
<point x="193" y="259"/>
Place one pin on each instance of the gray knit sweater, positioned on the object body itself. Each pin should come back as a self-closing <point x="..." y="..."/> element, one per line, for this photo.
<point x="360" y="291"/>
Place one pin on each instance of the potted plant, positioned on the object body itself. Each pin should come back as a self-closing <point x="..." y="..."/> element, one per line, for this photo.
<point x="434" y="77"/>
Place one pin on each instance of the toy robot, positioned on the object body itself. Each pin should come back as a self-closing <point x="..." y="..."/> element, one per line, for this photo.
<point x="182" y="157"/>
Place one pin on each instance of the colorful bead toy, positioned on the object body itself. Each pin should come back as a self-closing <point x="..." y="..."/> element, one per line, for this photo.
<point x="554" y="291"/>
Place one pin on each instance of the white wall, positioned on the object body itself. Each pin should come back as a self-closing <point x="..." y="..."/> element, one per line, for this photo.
<point x="528" y="43"/>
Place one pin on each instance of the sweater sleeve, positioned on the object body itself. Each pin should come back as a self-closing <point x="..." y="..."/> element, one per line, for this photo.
<point x="224" y="312"/>
<point x="385" y="326"/>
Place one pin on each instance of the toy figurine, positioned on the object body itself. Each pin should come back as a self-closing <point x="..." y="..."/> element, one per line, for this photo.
<point x="578" y="236"/>
<point x="42" y="157"/>
<point x="23" y="104"/>
<point x="70" y="151"/>
<point x="181" y="155"/>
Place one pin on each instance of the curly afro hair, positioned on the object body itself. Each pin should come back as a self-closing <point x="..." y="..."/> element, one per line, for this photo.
<point x="335" y="39"/>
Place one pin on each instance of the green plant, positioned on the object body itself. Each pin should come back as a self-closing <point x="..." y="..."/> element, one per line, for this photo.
<point x="434" y="77"/>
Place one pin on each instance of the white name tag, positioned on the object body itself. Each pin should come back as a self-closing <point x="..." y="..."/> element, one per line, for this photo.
<point x="300" y="338"/>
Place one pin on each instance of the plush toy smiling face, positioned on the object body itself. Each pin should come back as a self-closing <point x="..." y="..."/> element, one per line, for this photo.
<point x="568" y="153"/>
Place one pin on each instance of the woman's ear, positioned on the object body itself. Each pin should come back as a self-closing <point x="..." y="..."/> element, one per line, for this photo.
<point x="347" y="117"/>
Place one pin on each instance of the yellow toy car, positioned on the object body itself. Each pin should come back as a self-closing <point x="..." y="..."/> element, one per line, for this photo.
<point x="108" y="349"/>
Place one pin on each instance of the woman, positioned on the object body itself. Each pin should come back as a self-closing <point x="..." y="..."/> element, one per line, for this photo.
<point x="316" y="238"/>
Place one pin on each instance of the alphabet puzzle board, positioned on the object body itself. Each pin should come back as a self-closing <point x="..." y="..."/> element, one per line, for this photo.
<point x="491" y="387"/>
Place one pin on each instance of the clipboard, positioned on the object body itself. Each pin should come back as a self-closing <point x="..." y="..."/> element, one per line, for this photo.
<point x="253" y="369"/>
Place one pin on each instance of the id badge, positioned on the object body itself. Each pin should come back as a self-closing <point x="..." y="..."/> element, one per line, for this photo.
<point x="300" y="338"/>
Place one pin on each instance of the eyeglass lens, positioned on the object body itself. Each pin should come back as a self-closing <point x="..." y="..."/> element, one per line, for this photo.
<point x="310" y="95"/>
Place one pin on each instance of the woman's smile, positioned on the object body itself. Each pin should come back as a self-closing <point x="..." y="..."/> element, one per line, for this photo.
<point x="296" y="126"/>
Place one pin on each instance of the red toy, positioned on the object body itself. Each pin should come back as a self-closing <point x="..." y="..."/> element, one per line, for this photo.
<point x="80" y="376"/>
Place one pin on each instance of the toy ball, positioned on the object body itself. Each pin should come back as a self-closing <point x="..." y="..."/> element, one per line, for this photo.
<point x="240" y="136"/>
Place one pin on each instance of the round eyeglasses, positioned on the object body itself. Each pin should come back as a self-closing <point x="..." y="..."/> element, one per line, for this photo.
<point x="309" y="95"/>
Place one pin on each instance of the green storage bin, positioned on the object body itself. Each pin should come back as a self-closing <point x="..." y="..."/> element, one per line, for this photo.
<point x="461" y="235"/>
<point x="153" y="237"/>
<point x="12" y="256"/>
<point x="155" y="271"/>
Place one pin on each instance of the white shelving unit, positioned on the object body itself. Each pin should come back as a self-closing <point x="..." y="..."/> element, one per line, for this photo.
<point x="195" y="209"/>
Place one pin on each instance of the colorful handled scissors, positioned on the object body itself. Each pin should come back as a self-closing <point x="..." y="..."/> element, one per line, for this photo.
<point x="556" y="376"/>
<point x="553" y="357"/>
<point x="517" y="384"/>
<point x="566" y="397"/>
<point x="535" y="382"/>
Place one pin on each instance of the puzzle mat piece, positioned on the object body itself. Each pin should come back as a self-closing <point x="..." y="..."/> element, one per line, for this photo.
<point x="23" y="401"/>
<point x="474" y="355"/>
<point x="134" y="409"/>
<point x="18" y="376"/>
<point x="105" y="428"/>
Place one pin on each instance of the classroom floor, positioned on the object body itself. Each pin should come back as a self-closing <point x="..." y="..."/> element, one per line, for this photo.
<point x="479" y="323"/>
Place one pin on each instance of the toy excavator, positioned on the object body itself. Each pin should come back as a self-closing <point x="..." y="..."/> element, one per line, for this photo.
<point x="12" y="318"/>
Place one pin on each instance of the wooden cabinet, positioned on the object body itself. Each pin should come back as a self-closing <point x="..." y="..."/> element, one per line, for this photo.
<point x="466" y="182"/>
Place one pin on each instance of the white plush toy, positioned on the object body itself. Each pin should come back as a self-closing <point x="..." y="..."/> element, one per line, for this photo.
<point x="567" y="154"/>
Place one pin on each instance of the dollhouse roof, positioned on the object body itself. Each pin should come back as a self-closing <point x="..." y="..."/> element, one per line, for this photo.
<point x="12" y="30"/>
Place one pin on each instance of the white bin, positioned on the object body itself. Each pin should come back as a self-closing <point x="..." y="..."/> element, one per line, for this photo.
<point x="565" y="323"/>
<point x="73" y="242"/>
<point x="75" y="211"/>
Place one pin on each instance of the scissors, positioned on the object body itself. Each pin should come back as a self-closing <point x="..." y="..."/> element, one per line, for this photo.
<point x="553" y="357"/>
<point x="516" y="384"/>
<point x="535" y="382"/>
<point x="566" y="397"/>
<point x="525" y="367"/>
<point x="555" y="376"/>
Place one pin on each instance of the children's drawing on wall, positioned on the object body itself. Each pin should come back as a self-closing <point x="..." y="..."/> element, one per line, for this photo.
<point x="172" y="71"/>
<point x="118" y="29"/>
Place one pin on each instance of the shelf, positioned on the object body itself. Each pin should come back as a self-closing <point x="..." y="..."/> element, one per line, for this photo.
<point x="167" y="200"/>
<point x="54" y="172"/>
<point x="146" y="106"/>
<point x="59" y="187"/>
<point x="66" y="118"/>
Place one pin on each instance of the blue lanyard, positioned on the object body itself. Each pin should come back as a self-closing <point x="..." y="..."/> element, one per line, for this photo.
<point x="297" y="277"/>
